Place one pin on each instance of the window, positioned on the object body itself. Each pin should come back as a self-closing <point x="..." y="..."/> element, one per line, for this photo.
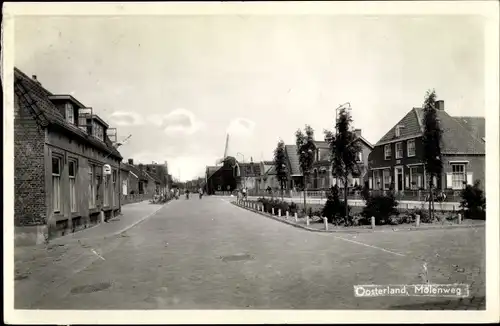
<point x="399" y="150"/>
<point x="387" y="152"/>
<point x="72" y="185"/>
<point x="359" y="156"/>
<point x="97" y="131"/>
<point x="458" y="176"/>
<point x="415" y="178"/>
<point x="56" y="183"/>
<point x="141" y="187"/>
<point x="397" y="131"/>
<point x="92" y="192"/>
<point x="387" y="179"/>
<point x="70" y="113"/>
<point x="410" y="147"/>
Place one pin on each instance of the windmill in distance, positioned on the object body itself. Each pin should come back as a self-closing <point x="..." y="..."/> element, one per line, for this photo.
<point x="221" y="160"/>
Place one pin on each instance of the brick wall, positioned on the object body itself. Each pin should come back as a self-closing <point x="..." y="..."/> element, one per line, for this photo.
<point x="29" y="177"/>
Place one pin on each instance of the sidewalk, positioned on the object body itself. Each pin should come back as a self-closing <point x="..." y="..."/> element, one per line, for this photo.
<point x="42" y="268"/>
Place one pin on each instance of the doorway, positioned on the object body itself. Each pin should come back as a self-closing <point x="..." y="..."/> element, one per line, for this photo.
<point x="399" y="184"/>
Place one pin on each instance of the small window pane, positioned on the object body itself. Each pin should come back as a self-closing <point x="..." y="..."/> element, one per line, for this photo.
<point x="72" y="168"/>
<point x="55" y="165"/>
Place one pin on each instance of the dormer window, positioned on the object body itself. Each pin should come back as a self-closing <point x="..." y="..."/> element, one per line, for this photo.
<point x="397" y="131"/>
<point x="97" y="131"/>
<point x="70" y="113"/>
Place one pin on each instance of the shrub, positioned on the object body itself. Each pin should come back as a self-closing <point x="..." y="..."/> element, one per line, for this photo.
<point x="381" y="207"/>
<point x="473" y="202"/>
<point x="334" y="209"/>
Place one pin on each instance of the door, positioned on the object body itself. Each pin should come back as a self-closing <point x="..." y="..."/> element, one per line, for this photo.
<point x="399" y="184"/>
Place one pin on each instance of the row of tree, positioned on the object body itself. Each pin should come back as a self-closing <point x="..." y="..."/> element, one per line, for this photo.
<point x="344" y="148"/>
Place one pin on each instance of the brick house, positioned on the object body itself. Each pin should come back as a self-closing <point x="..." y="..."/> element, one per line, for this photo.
<point x="248" y="174"/>
<point x="268" y="176"/>
<point x="321" y="173"/>
<point x="222" y="178"/>
<point x="61" y="152"/>
<point x="397" y="158"/>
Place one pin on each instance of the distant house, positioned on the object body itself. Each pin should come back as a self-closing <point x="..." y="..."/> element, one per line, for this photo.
<point x="66" y="169"/>
<point x="222" y="178"/>
<point x="321" y="173"/>
<point x="249" y="173"/>
<point x="268" y="176"/>
<point x="397" y="159"/>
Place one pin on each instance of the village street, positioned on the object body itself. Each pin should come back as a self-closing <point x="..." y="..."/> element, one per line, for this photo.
<point x="210" y="254"/>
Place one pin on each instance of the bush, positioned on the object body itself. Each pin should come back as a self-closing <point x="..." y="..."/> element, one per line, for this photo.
<point x="381" y="207"/>
<point x="473" y="202"/>
<point x="334" y="209"/>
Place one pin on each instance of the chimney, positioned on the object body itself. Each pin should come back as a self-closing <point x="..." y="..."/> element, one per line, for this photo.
<point x="131" y="161"/>
<point x="357" y="132"/>
<point x="440" y="105"/>
<point x="35" y="79"/>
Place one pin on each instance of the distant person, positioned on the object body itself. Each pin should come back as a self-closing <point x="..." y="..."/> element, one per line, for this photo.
<point x="187" y="193"/>
<point x="200" y="191"/>
<point x="244" y="192"/>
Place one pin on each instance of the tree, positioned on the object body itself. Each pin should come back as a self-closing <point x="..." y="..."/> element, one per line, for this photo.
<point x="306" y="150"/>
<point x="343" y="152"/>
<point x="280" y="165"/>
<point x="432" y="144"/>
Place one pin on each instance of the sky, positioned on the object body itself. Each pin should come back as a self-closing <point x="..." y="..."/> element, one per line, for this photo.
<point x="179" y="84"/>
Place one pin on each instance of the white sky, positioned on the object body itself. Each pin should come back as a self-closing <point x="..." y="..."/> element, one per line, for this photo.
<point x="178" y="83"/>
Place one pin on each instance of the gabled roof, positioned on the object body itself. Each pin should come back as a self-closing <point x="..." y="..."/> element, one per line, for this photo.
<point x="36" y="98"/>
<point x="247" y="167"/>
<point x="211" y="170"/>
<point x="152" y="176"/>
<point x="475" y="125"/>
<point x="459" y="137"/>
<point x="293" y="159"/>
<point x="411" y="126"/>
<point x="136" y="171"/>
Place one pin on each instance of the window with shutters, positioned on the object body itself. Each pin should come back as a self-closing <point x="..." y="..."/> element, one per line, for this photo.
<point x="399" y="150"/>
<point x="56" y="183"/>
<point x="387" y="152"/>
<point x="458" y="176"/>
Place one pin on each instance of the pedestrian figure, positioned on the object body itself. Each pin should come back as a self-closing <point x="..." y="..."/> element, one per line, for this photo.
<point x="200" y="191"/>
<point x="187" y="193"/>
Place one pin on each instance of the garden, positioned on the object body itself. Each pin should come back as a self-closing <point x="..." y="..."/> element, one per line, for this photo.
<point x="383" y="207"/>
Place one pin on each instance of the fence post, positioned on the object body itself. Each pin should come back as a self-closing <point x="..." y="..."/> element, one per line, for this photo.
<point x="373" y="222"/>
<point x="279" y="212"/>
<point x="417" y="222"/>
<point x="325" y="220"/>
<point x="307" y="220"/>
<point x="272" y="210"/>
<point x="296" y="217"/>
<point x="287" y="215"/>
<point x="459" y="218"/>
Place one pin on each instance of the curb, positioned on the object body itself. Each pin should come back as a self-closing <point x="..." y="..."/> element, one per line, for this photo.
<point x="422" y="228"/>
<point x="137" y="222"/>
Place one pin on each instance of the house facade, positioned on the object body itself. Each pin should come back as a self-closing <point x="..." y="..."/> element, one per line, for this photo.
<point x="397" y="160"/>
<point x="222" y="178"/>
<point x="66" y="168"/>
<point x="321" y="176"/>
<point x="249" y="173"/>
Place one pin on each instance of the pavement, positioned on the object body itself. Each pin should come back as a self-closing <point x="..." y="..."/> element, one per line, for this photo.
<point x="210" y="254"/>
